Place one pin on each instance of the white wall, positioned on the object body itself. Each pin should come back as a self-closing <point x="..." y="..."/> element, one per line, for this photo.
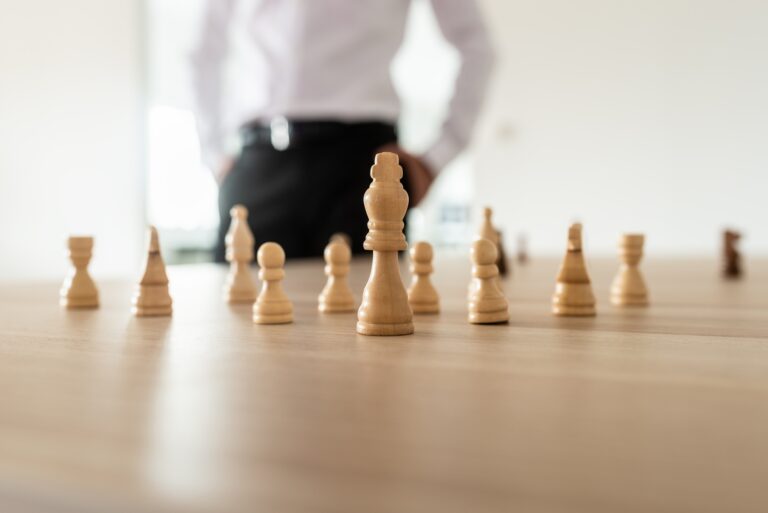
<point x="629" y="115"/>
<point x="70" y="134"/>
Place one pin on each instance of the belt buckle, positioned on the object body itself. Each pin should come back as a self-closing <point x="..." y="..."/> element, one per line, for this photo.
<point x="280" y="133"/>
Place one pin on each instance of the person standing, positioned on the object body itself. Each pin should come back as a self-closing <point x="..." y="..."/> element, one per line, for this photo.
<point x="311" y="102"/>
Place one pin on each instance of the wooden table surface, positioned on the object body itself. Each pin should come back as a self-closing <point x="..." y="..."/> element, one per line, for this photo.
<point x="659" y="409"/>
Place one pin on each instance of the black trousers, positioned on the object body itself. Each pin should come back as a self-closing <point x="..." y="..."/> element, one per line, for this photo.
<point x="300" y="196"/>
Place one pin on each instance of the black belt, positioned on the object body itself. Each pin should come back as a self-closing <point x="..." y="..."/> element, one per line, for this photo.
<point x="281" y="133"/>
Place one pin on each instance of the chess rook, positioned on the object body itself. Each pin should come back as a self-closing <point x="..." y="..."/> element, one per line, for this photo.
<point x="336" y="295"/>
<point x="422" y="295"/>
<point x="239" y="286"/>
<point x="628" y="288"/>
<point x="272" y="306"/>
<point x="79" y="290"/>
<point x="487" y="304"/>
<point x="152" y="297"/>
<point x="573" y="291"/>
<point x="384" y="309"/>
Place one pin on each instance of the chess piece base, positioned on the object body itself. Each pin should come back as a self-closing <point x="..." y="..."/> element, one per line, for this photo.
<point x="245" y="296"/>
<point x="629" y="300"/>
<point x="499" y="317"/>
<point x="425" y="308"/>
<point x="273" y="319"/>
<point x="574" y="311"/>
<point x="385" y="330"/>
<point x="336" y="307"/>
<point x="80" y="302"/>
<point x="151" y="311"/>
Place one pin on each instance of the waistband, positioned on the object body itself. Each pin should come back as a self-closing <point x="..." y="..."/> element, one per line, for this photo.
<point x="282" y="133"/>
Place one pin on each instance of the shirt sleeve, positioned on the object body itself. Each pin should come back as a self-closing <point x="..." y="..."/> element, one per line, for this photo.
<point x="207" y="63"/>
<point x="462" y="24"/>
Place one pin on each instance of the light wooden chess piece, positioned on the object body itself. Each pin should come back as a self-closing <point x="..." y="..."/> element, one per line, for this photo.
<point x="79" y="290"/>
<point x="422" y="295"/>
<point x="272" y="306"/>
<point x="522" y="248"/>
<point x="336" y="295"/>
<point x="487" y="304"/>
<point x="384" y="309"/>
<point x="573" y="291"/>
<point x="239" y="287"/>
<point x="341" y="237"/>
<point x="628" y="288"/>
<point x="151" y="297"/>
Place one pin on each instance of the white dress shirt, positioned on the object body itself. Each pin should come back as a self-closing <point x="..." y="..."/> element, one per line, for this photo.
<point x="326" y="60"/>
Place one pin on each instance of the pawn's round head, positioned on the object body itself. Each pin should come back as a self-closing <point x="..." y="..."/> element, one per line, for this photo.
<point x="239" y="212"/>
<point x="270" y="255"/>
<point x="422" y="252"/>
<point x="337" y="252"/>
<point x="483" y="252"/>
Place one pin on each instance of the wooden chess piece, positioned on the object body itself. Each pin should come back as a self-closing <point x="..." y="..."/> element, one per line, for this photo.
<point x="731" y="255"/>
<point x="239" y="287"/>
<point x="502" y="263"/>
<point x="422" y="295"/>
<point x="336" y="295"/>
<point x="151" y="297"/>
<point x="79" y="290"/>
<point x="487" y="304"/>
<point x="522" y="249"/>
<point x="384" y="309"/>
<point x="573" y="291"/>
<point x="628" y="288"/>
<point x="272" y="306"/>
<point x="341" y="237"/>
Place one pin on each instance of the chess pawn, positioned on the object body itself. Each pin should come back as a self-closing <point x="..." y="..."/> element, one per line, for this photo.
<point x="239" y="287"/>
<point x="151" y="297"/>
<point x="422" y="295"/>
<point x="384" y="309"/>
<point x="78" y="290"/>
<point x="487" y="304"/>
<point x="341" y="237"/>
<point x="731" y="256"/>
<point x="573" y="291"/>
<point x="628" y="288"/>
<point x="336" y="295"/>
<point x="272" y="306"/>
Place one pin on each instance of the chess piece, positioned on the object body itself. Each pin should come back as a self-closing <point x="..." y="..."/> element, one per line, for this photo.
<point x="384" y="309"/>
<point x="78" y="290"/>
<point x="573" y="291"/>
<point x="487" y="304"/>
<point x="336" y="295"/>
<point x="731" y="255"/>
<point x="422" y="295"/>
<point x="341" y="237"/>
<point x="239" y="287"/>
<point x="151" y="297"/>
<point x="272" y="306"/>
<point x="522" y="249"/>
<point x="628" y="288"/>
<point x="501" y="262"/>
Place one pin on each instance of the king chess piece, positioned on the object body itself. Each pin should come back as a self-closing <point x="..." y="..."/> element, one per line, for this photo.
<point x="239" y="287"/>
<point x="151" y="297"/>
<point x="79" y="290"/>
<point x="573" y="292"/>
<point x="384" y="309"/>
<point x="628" y="288"/>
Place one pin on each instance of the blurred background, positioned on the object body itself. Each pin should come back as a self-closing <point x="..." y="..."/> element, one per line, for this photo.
<point x="644" y="116"/>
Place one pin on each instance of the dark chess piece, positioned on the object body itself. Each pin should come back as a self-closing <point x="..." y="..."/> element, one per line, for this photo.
<point x="731" y="256"/>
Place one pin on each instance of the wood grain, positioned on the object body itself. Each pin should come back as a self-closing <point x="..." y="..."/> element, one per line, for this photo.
<point x="658" y="409"/>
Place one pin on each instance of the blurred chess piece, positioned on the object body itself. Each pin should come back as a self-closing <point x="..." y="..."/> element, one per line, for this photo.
<point x="152" y="297"/>
<point x="731" y="255"/>
<point x="341" y="237"/>
<point x="272" y="306"/>
<point x="336" y="295"/>
<point x="502" y="263"/>
<point x="384" y="309"/>
<point x="628" y="288"/>
<point x="79" y="290"/>
<point x="573" y="291"/>
<point x="522" y="249"/>
<point x="487" y="304"/>
<point x="239" y="287"/>
<point x="422" y="295"/>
